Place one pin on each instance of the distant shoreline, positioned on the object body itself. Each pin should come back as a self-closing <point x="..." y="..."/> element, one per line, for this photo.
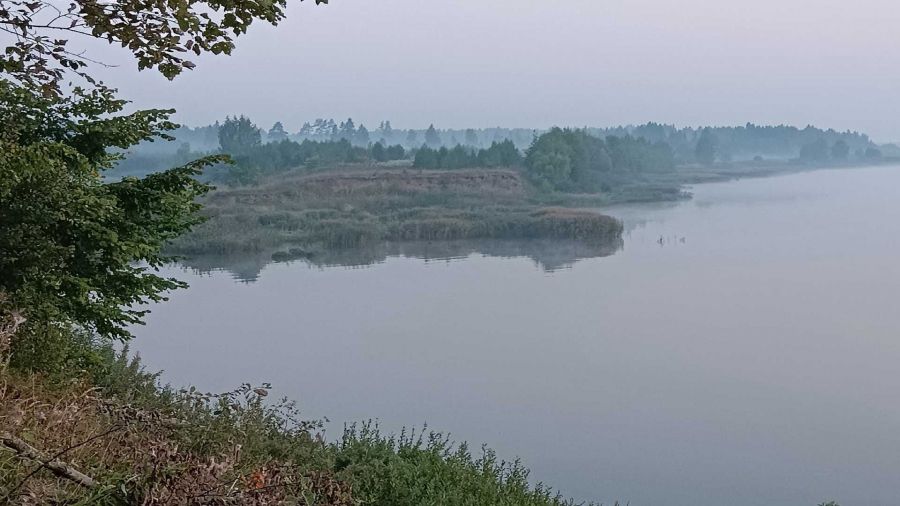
<point x="300" y="214"/>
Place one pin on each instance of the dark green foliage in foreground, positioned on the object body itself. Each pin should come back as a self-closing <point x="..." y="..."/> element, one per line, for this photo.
<point x="572" y="160"/>
<point x="500" y="154"/>
<point x="426" y="468"/>
<point x="76" y="251"/>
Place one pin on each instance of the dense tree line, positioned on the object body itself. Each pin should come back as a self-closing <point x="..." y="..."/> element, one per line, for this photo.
<point x="819" y="151"/>
<point x="722" y="144"/>
<point x="433" y="137"/>
<point x="241" y="139"/>
<point x="274" y="157"/>
<point x="705" y="146"/>
<point x="573" y="160"/>
<point x="499" y="154"/>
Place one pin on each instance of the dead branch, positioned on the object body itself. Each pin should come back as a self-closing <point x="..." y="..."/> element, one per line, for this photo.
<point x="57" y="467"/>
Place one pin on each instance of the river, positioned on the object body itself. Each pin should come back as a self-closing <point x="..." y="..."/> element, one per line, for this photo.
<point x="739" y="348"/>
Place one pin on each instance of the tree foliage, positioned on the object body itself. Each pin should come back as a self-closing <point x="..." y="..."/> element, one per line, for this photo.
<point x="816" y="151"/>
<point x="840" y="150"/>
<point x="432" y="138"/>
<point x="238" y="135"/>
<point x="75" y="249"/>
<point x="274" y="157"/>
<point x="572" y="160"/>
<point x="276" y="133"/>
<point x="707" y="146"/>
<point x="500" y="154"/>
<point x="78" y="251"/>
<point x="158" y="34"/>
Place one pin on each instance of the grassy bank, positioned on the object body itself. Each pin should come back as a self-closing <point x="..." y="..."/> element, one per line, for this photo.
<point x="349" y="209"/>
<point x="95" y="429"/>
<point x="116" y="437"/>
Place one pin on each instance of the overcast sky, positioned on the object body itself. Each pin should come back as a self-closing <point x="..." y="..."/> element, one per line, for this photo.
<point x="531" y="63"/>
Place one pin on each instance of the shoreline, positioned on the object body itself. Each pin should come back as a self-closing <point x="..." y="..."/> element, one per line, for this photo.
<point x="298" y="216"/>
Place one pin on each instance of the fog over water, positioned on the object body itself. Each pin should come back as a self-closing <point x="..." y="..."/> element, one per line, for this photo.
<point x="537" y="63"/>
<point x="740" y="348"/>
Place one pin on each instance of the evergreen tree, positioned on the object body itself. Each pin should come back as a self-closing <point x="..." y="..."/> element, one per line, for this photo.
<point x="347" y="130"/>
<point x="816" y="151"/>
<point x="426" y="158"/>
<point x="386" y="131"/>
<point x="277" y="133"/>
<point x="873" y="153"/>
<point x="238" y="135"/>
<point x="432" y="138"/>
<point x="378" y="152"/>
<point x="705" y="151"/>
<point x="395" y="152"/>
<point x="840" y="150"/>
<point x="361" y="137"/>
<point x="471" y="137"/>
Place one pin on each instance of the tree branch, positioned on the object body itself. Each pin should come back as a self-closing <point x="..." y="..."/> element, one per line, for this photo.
<point x="57" y="467"/>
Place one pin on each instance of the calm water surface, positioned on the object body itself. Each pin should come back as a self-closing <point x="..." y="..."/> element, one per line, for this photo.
<point x="741" y="348"/>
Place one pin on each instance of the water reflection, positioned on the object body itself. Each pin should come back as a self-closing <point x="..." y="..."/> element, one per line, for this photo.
<point x="548" y="254"/>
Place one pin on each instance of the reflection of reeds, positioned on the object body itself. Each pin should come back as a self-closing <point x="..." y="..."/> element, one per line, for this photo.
<point x="549" y="254"/>
<point x="349" y="211"/>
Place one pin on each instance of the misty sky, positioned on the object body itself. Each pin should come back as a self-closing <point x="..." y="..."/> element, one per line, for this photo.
<point x="530" y="63"/>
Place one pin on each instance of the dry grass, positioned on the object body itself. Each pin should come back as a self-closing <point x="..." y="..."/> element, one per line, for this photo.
<point x="135" y="456"/>
<point x="350" y="209"/>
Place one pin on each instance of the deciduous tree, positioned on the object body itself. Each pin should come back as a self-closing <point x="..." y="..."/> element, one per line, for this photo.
<point x="77" y="251"/>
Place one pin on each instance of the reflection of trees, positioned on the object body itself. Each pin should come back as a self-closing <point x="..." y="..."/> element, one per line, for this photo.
<point x="548" y="254"/>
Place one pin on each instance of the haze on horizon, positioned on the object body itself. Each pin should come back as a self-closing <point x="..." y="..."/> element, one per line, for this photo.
<point x="530" y="63"/>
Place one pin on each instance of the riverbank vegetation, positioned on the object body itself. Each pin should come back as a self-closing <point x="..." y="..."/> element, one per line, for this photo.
<point x="91" y="427"/>
<point x="706" y="146"/>
<point x="315" y="195"/>
<point x="355" y="208"/>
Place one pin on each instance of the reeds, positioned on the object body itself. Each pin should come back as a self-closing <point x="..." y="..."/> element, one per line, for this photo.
<point x="347" y="210"/>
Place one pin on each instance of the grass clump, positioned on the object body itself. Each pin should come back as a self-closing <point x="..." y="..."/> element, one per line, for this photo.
<point x="426" y="468"/>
